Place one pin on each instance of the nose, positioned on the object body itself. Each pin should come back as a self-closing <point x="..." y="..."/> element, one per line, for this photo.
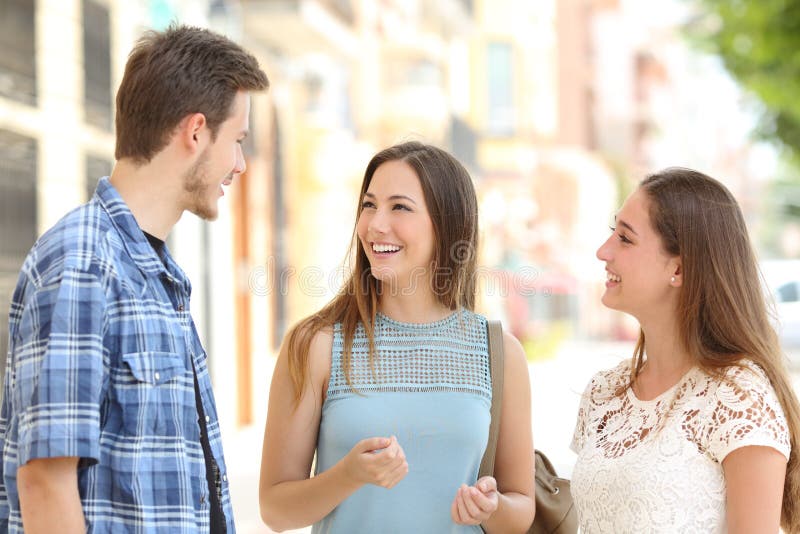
<point x="378" y="223"/>
<point x="604" y="252"/>
<point x="240" y="165"/>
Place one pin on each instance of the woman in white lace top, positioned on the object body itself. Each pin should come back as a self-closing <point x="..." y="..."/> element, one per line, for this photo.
<point x="698" y="432"/>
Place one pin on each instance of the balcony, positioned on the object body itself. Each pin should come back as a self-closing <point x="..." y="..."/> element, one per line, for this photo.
<point x="453" y="17"/>
<point x="296" y="27"/>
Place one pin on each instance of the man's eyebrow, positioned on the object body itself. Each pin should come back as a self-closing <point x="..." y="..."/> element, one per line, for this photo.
<point x="393" y="197"/>
<point x="625" y="225"/>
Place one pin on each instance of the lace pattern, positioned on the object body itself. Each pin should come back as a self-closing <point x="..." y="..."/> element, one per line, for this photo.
<point x="446" y="355"/>
<point x="655" y="466"/>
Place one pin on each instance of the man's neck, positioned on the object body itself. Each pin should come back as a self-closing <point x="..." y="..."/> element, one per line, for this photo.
<point x="152" y="192"/>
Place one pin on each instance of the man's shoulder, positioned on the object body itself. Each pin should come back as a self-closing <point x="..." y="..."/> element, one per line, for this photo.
<point x="79" y="240"/>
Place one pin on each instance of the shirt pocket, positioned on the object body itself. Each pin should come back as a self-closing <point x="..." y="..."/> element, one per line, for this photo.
<point x="155" y="392"/>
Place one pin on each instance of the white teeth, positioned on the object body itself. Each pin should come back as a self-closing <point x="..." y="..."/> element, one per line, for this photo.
<point x="612" y="277"/>
<point x="384" y="248"/>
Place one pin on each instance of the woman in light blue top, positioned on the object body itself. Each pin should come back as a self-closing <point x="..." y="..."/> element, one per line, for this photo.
<point x="389" y="383"/>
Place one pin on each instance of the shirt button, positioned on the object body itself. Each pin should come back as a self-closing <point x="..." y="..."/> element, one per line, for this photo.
<point x="208" y="419"/>
<point x="180" y="307"/>
<point x="224" y="478"/>
<point x="157" y="376"/>
<point x="202" y="499"/>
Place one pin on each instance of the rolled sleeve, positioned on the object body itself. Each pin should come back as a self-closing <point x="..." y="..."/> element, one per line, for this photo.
<point x="59" y="369"/>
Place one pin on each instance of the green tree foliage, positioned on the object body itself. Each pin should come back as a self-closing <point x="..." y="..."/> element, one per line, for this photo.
<point x="759" y="43"/>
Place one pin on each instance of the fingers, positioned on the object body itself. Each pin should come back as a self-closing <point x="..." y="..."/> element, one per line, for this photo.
<point x="372" y="444"/>
<point x="391" y="464"/>
<point x="383" y="461"/>
<point x="483" y="502"/>
<point x="486" y="484"/>
<point x="472" y="506"/>
<point x="463" y="512"/>
<point x="397" y="475"/>
<point x="458" y="511"/>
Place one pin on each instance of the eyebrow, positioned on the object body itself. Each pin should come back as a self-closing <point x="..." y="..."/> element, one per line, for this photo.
<point x="393" y="197"/>
<point x="625" y="225"/>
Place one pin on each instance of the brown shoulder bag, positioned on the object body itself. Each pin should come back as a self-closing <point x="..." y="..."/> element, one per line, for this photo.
<point x="555" y="511"/>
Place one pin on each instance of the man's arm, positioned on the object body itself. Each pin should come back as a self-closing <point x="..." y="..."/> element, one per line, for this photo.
<point x="48" y="496"/>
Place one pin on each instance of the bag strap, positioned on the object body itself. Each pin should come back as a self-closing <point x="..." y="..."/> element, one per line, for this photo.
<point x="494" y="331"/>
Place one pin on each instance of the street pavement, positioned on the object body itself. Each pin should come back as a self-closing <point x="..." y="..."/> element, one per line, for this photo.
<point x="556" y="387"/>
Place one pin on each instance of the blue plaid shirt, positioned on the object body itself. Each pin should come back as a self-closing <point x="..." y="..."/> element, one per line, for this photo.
<point x="100" y="341"/>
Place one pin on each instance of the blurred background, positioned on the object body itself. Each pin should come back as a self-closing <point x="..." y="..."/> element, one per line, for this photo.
<point x="557" y="108"/>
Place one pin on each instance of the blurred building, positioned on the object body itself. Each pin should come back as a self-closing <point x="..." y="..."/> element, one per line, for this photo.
<point x="657" y="102"/>
<point x="504" y="86"/>
<point x="660" y="103"/>
<point x="55" y="120"/>
<point x="349" y="78"/>
<point x="545" y="193"/>
<point x="556" y="107"/>
<point x="60" y="64"/>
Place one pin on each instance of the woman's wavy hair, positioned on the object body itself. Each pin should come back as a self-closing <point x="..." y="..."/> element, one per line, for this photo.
<point x="722" y="308"/>
<point x="453" y="209"/>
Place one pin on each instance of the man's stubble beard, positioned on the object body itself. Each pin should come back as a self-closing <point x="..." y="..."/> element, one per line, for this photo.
<point x="195" y="184"/>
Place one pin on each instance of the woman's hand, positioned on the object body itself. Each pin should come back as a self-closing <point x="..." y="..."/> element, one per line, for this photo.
<point x="475" y="504"/>
<point x="378" y="461"/>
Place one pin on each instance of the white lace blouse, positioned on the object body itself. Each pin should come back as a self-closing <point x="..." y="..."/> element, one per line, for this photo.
<point x="656" y="466"/>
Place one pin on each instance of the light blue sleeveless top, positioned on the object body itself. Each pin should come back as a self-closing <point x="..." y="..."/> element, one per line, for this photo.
<point x="432" y="389"/>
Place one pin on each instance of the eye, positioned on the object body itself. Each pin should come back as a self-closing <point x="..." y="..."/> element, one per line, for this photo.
<point x="367" y="204"/>
<point x="621" y="237"/>
<point x="401" y="207"/>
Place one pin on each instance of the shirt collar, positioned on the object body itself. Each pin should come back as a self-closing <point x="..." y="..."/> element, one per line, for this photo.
<point x="135" y="242"/>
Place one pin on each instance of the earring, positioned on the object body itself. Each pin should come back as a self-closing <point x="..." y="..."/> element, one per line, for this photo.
<point x="672" y="279"/>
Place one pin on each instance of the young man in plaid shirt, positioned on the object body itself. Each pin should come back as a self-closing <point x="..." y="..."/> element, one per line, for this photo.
<point x="108" y="421"/>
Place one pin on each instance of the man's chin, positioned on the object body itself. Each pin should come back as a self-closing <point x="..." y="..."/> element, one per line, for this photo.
<point x="206" y="212"/>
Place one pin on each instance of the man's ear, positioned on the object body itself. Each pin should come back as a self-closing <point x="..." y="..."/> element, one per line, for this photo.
<point x="193" y="132"/>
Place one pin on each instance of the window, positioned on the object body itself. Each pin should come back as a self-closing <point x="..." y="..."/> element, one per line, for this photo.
<point x="463" y="142"/>
<point x="789" y="292"/>
<point x="17" y="198"/>
<point x="501" y="89"/>
<point x="96" y="168"/>
<point x="18" y="50"/>
<point x="17" y="218"/>
<point x="97" y="65"/>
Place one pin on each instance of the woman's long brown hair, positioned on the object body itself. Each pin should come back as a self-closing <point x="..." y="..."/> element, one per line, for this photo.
<point x="722" y="308"/>
<point x="453" y="209"/>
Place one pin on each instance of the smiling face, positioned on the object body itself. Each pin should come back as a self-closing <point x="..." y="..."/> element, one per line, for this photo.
<point x="639" y="273"/>
<point x="219" y="163"/>
<point x="395" y="228"/>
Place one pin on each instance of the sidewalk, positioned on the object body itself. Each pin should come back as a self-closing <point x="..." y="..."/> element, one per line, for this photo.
<point x="556" y="389"/>
<point x="243" y="458"/>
